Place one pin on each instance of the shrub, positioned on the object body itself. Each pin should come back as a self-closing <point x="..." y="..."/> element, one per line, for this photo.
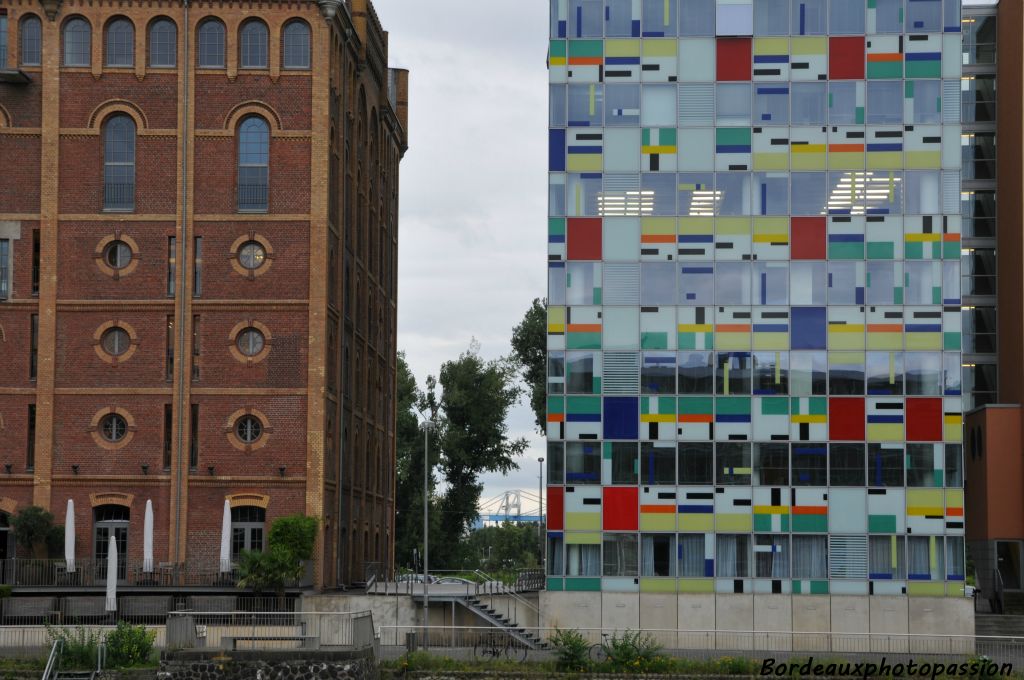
<point x="36" y="534"/>
<point x="80" y="646"/>
<point x="571" y="649"/>
<point x="129" y="645"/>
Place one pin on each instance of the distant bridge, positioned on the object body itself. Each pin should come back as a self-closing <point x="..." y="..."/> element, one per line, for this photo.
<point x="511" y="506"/>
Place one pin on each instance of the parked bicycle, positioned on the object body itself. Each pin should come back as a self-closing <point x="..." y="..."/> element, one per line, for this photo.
<point x="606" y="651"/>
<point x="493" y="646"/>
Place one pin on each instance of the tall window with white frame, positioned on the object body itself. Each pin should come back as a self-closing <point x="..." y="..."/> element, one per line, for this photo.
<point x="120" y="43"/>
<point x="253" y="164"/>
<point x="3" y="40"/>
<point x="77" y="42"/>
<point x="119" y="164"/>
<point x="163" y="44"/>
<point x="253" y="44"/>
<point x="211" y="44"/>
<point x="31" y="41"/>
<point x="296" y="45"/>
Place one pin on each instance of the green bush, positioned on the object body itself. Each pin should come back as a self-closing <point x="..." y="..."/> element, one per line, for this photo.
<point x="80" y="646"/>
<point x="36" y="534"/>
<point x="129" y="645"/>
<point x="634" y="652"/>
<point x="571" y="649"/>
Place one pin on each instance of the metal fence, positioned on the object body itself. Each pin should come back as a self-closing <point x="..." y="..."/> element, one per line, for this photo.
<point x="92" y="573"/>
<point x="711" y="644"/>
<point x="75" y="610"/>
<point x="270" y="630"/>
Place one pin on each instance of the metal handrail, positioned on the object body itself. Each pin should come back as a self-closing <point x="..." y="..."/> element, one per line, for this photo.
<point x="53" y="661"/>
<point x="998" y="586"/>
<point x="507" y="590"/>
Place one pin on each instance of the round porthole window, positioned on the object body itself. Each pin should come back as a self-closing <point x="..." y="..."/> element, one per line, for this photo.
<point x="248" y="429"/>
<point x="113" y="428"/>
<point x="117" y="255"/>
<point x="250" y="342"/>
<point x="252" y="255"/>
<point x="115" y="341"/>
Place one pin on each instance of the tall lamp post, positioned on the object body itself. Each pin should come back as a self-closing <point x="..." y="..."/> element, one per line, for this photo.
<point x="540" y="517"/>
<point x="427" y="426"/>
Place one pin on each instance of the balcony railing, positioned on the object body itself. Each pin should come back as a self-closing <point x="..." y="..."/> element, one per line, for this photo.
<point x="92" y="573"/>
<point x="118" y="196"/>
<point x="252" y="197"/>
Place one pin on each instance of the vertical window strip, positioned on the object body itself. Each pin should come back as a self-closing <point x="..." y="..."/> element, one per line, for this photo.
<point x="193" y="444"/>
<point x="168" y="430"/>
<point x="5" y="269"/>
<point x="30" y="440"/>
<point x="35" y="262"/>
<point x="172" y="247"/>
<point x="170" y="348"/>
<point x="33" y="362"/>
<point x="197" y="267"/>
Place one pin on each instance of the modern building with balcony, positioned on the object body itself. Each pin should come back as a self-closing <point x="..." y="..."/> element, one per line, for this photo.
<point x="755" y="401"/>
<point x="198" y="251"/>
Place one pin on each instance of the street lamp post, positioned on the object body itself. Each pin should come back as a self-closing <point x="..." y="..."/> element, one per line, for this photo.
<point x="427" y="425"/>
<point x="540" y="517"/>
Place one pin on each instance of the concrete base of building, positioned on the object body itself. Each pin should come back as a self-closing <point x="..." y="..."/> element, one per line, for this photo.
<point x="836" y="623"/>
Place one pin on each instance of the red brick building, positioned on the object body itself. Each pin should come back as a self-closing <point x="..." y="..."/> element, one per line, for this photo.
<point x="198" y="251"/>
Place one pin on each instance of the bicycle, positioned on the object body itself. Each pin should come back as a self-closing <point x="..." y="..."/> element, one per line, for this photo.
<point x="495" y="646"/>
<point x="605" y="650"/>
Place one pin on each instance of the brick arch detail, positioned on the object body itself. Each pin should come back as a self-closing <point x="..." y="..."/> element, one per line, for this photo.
<point x="111" y="498"/>
<point x="8" y="505"/>
<point x="5" y="117"/>
<point x="248" y="498"/>
<point x="262" y="109"/>
<point x="112" y="106"/>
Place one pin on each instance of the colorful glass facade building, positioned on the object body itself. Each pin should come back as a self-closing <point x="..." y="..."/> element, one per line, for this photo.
<point x="754" y="321"/>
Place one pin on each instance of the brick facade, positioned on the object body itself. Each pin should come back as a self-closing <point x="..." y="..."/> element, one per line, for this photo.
<point x="324" y="298"/>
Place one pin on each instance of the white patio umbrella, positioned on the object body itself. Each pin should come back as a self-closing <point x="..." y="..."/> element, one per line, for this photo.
<point x="69" y="537"/>
<point x="225" y="538"/>
<point x="111" y="604"/>
<point x="147" y="539"/>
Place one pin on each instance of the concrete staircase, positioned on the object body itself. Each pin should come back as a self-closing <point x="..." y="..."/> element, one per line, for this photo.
<point x="498" y="620"/>
<point x="998" y="625"/>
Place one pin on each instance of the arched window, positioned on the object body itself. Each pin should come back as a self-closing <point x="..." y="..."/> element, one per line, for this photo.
<point x="295" y="48"/>
<point x="253" y="164"/>
<point x="211" y="44"/>
<point x="31" y="41"/>
<point x="110" y="520"/>
<point x="247" y="523"/>
<point x="253" y="44"/>
<point x="119" y="163"/>
<point x="163" y="43"/>
<point x="120" y="43"/>
<point x="77" y="42"/>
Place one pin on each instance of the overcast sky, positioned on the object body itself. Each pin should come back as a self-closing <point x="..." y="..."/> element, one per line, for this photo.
<point x="473" y="201"/>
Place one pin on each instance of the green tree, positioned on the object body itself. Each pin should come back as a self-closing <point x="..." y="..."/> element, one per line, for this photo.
<point x="290" y="544"/>
<point x="476" y="396"/>
<point x="409" y="473"/>
<point x="529" y="351"/>
<point x="506" y="546"/>
<point x="36" y="534"/>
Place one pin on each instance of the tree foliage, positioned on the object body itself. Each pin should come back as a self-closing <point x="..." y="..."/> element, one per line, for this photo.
<point x="505" y="546"/>
<point x="409" y="482"/>
<point x="468" y="404"/>
<point x="529" y="351"/>
<point x="36" y="534"/>
<point x="474" y="438"/>
<point x="290" y="544"/>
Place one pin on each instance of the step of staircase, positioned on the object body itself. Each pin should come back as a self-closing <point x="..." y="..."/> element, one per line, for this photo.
<point x="998" y="624"/>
